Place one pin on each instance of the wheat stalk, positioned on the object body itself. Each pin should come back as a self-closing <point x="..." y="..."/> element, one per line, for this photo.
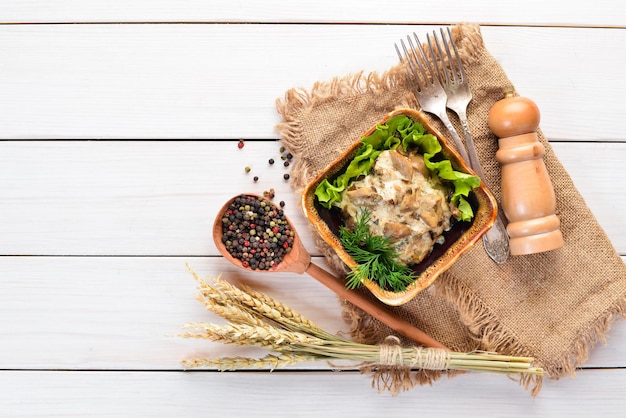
<point x="258" y="320"/>
<point x="238" y="363"/>
<point x="284" y="310"/>
<point x="246" y="300"/>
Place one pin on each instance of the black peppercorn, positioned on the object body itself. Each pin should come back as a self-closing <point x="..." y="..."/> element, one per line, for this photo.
<point x="243" y="224"/>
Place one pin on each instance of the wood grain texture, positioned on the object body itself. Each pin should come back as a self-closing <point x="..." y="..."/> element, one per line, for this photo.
<point x="310" y="394"/>
<point x="221" y="81"/>
<point x="95" y="235"/>
<point x="532" y="12"/>
<point x="161" y="197"/>
<point x="124" y="313"/>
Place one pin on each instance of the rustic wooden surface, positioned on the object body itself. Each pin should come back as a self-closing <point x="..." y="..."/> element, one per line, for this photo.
<point x="119" y="125"/>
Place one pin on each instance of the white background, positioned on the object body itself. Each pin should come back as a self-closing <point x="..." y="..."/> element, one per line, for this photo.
<point x="118" y="129"/>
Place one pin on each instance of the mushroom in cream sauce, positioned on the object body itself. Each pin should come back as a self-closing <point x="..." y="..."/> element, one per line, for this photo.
<point x="406" y="204"/>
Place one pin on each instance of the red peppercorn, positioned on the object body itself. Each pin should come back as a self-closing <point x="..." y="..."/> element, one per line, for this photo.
<point x="250" y="247"/>
<point x="240" y="144"/>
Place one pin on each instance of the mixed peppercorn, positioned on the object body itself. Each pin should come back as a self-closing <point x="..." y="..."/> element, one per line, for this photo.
<point x="256" y="232"/>
<point x="284" y="155"/>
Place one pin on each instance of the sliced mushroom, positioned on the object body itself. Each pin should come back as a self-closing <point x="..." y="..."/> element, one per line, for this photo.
<point x="410" y="202"/>
<point x="361" y="192"/>
<point x="396" y="230"/>
<point x="417" y="161"/>
<point x="431" y="210"/>
<point x="402" y="165"/>
<point x="363" y="196"/>
<point x="406" y="204"/>
<point x="416" y="249"/>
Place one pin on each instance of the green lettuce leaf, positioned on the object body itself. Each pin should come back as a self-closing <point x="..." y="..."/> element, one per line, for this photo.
<point x="401" y="130"/>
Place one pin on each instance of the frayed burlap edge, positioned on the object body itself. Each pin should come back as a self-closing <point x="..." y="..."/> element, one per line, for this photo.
<point x="483" y="326"/>
<point x="297" y="101"/>
<point x="291" y="108"/>
<point x="489" y="332"/>
<point x="475" y="316"/>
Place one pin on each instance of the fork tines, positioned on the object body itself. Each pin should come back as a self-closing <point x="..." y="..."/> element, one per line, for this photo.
<point x="453" y="72"/>
<point x="428" y="85"/>
<point x="421" y="70"/>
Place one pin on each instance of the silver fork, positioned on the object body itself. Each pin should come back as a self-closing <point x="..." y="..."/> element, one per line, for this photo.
<point x="427" y="88"/>
<point x="452" y="78"/>
<point x="437" y="89"/>
<point x="454" y="82"/>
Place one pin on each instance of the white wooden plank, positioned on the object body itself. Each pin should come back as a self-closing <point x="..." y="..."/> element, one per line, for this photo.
<point x="123" y="313"/>
<point x="221" y="81"/>
<point x="532" y="12"/>
<point x="162" y="394"/>
<point x="139" y="198"/>
<point x="598" y="190"/>
<point x="154" y="198"/>
<point x="161" y="198"/>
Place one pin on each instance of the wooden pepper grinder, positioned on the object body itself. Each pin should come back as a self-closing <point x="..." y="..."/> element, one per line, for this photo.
<point x="527" y="194"/>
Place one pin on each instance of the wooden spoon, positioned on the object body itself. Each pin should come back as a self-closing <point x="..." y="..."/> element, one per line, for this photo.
<point x="299" y="261"/>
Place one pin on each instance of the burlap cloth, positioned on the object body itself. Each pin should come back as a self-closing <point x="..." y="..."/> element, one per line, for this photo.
<point x="553" y="306"/>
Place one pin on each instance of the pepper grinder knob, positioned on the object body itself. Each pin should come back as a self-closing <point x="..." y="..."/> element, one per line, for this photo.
<point x="528" y="199"/>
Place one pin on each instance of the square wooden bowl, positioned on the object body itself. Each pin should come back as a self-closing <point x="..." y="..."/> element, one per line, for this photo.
<point x="458" y="240"/>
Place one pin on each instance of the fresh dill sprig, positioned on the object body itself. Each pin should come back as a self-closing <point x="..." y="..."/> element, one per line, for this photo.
<point x="375" y="256"/>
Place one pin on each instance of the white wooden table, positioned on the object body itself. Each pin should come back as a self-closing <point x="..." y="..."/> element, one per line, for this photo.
<point x="119" y="124"/>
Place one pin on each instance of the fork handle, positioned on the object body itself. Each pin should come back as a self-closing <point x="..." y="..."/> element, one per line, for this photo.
<point x="443" y="116"/>
<point x="473" y="160"/>
<point x="496" y="239"/>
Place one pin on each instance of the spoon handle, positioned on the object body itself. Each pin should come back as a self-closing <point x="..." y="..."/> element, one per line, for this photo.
<point x="373" y="308"/>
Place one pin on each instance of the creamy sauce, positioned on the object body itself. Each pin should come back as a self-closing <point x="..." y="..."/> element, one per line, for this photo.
<point x="405" y="203"/>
